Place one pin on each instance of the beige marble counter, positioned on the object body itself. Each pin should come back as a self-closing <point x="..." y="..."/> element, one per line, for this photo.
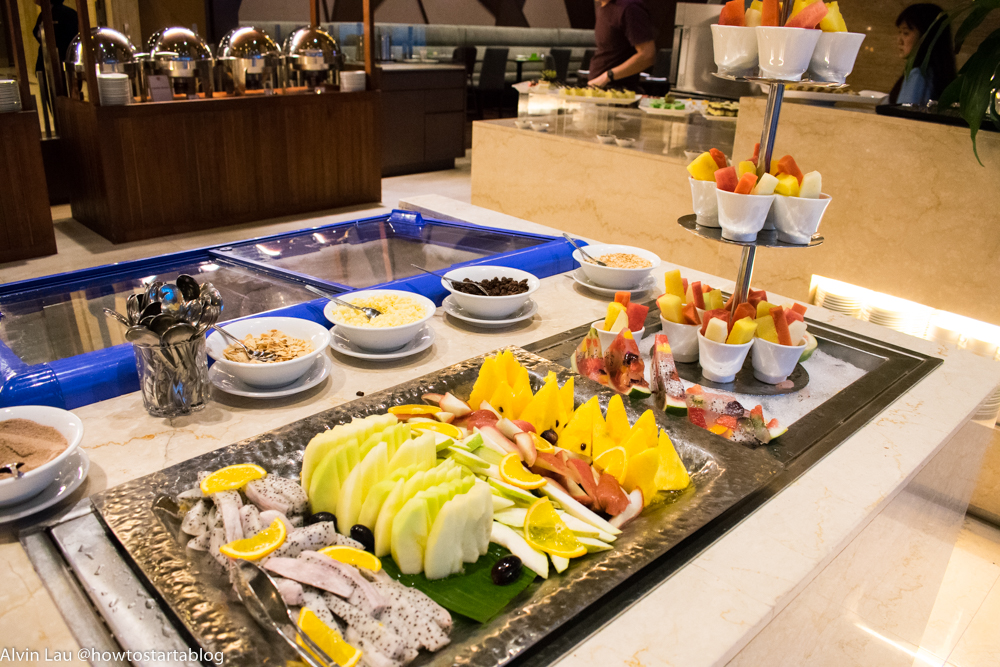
<point x="703" y="615"/>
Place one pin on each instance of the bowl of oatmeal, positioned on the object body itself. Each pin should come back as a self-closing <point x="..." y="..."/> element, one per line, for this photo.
<point x="294" y="343"/>
<point x="627" y="266"/>
<point x="404" y="315"/>
<point x="40" y="438"/>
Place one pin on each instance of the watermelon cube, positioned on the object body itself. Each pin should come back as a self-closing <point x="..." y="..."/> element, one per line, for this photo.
<point x="696" y="296"/>
<point x="623" y="298"/>
<point x="756" y="153"/>
<point x="809" y="17"/>
<point x="770" y="14"/>
<point x="725" y="179"/>
<point x="671" y="308"/>
<point x="690" y="314"/>
<point x="799" y="308"/>
<point x="786" y="165"/>
<point x="636" y="316"/>
<point x="732" y="14"/>
<point x="793" y="316"/>
<point x="756" y="296"/>
<point x="781" y="326"/>
<point x="745" y="309"/>
<point x="719" y="157"/>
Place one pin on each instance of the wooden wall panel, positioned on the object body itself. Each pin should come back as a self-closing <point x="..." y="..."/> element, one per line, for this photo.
<point x="25" y="217"/>
<point x="184" y="166"/>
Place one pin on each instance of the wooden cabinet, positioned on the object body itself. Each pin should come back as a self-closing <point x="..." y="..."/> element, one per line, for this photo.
<point x="423" y="118"/>
<point x="25" y="217"/>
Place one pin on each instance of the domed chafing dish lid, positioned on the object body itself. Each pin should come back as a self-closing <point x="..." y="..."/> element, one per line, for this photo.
<point x="110" y="48"/>
<point x="174" y="44"/>
<point x="311" y="47"/>
<point x="247" y="42"/>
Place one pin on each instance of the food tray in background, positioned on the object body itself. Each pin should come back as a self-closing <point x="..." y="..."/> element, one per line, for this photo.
<point x="690" y="106"/>
<point x="196" y="593"/>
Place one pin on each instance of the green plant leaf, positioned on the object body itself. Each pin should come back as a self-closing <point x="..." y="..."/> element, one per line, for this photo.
<point x="471" y="593"/>
<point x="977" y="82"/>
<point x="978" y="13"/>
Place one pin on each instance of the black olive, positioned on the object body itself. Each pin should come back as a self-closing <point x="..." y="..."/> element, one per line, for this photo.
<point x="363" y="534"/>
<point x="321" y="516"/>
<point x="506" y="570"/>
<point x="551" y="436"/>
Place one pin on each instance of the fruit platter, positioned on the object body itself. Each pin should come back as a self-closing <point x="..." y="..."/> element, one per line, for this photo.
<point x="459" y="517"/>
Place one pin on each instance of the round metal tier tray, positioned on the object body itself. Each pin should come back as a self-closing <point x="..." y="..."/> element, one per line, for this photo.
<point x="767" y="239"/>
<point x="832" y="85"/>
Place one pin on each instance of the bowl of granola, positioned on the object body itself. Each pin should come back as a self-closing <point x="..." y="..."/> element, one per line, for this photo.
<point x="627" y="266"/>
<point x="293" y="343"/>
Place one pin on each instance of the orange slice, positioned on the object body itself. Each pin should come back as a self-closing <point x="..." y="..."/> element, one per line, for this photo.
<point x="258" y="546"/>
<point x="352" y="556"/>
<point x="414" y="409"/>
<point x="545" y="531"/>
<point x="231" y="477"/>
<point x="514" y="473"/>
<point x="614" y="462"/>
<point x="438" y="427"/>
<point x="328" y="640"/>
<point x="541" y="444"/>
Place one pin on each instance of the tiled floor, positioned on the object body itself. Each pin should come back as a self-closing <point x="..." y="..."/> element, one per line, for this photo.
<point x="966" y="611"/>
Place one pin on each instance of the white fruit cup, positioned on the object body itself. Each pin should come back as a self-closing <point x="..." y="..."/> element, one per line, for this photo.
<point x="735" y="50"/>
<point x="773" y="363"/>
<point x="769" y="225"/>
<point x="798" y="218"/>
<point x="834" y="56"/>
<point x="607" y="337"/>
<point x="706" y="204"/>
<point x="742" y="216"/>
<point x="683" y="340"/>
<point x="784" y="53"/>
<point x="721" y="362"/>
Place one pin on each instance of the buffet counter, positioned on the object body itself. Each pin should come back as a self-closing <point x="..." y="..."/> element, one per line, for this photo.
<point x="888" y="228"/>
<point x="849" y="523"/>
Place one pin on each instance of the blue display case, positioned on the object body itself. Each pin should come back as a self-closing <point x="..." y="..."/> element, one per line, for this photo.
<point x="58" y="348"/>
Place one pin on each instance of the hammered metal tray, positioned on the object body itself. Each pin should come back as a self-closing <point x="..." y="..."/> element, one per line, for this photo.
<point x="196" y="591"/>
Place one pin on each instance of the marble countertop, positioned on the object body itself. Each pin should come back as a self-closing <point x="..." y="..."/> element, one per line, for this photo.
<point x="729" y="592"/>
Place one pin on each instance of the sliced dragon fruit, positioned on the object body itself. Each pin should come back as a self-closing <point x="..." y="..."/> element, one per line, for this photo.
<point x="664" y="380"/>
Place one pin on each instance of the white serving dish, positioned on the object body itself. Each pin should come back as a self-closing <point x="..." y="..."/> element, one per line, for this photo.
<point x="735" y="50"/>
<point x="522" y="124"/>
<point x="14" y="491"/>
<point x="742" y="216"/>
<point x="785" y="53"/>
<point x="490" y="307"/>
<point x="798" y="218"/>
<point x="683" y="340"/>
<point x="625" y="142"/>
<point x="721" y="362"/>
<point x="613" y="278"/>
<point x="607" y="337"/>
<point x="540" y="127"/>
<point x="772" y="362"/>
<point x="834" y="56"/>
<point x="380" y="339"/>
<point x="276" y="374"/>
<point x="705" y="202"/>
<point x="606" y="138"/>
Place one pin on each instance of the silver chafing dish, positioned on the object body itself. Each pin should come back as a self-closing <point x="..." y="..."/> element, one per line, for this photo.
<point x="247" y="59"/>
<point x="113" y="53"/>
<point x="182" y="55"/>
<point x="313" y="57"/>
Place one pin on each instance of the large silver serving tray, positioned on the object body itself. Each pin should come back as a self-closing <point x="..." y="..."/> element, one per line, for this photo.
<point x="195" y="590"/>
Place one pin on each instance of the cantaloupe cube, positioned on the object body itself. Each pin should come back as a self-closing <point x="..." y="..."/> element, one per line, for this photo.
<point x="787" y="185"/>
<point x="671" y="308"/>
<point x="812" y="185"/>
<point x="717" y="331"/>
<point x="703" y="167"/>
<point x="766" y="330"/>
<point x="614" y="310"/>
<point x="742" y="332"/>
<point x="674" y="284"/>
<point x="765" y="186"/>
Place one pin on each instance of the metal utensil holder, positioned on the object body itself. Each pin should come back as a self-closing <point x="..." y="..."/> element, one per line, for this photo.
<point x="173" y="379"/>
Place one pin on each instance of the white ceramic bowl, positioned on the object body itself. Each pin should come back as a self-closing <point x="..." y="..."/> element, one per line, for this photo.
<point x="522" y="124"/>
<point x="607" y="337"/>
<point x="784" y="53"/>
<point x="625" y="142"/>
<point x="14" y="491"/>
<point x="490" y="307"/>
<point x="773" y="363"/>
<point x="539" y="127"/>
<point x="683" y="340"/>
<point x="276" y="374"/>
<point x="721" y="362"/>
<point x="742" y="216"/>
<point x="610" y="277"/>
<point x="381" y="339"/>
<point x="735" y="50"/>
<point x="797" y="218"/>
<point x="606" y="138"/>
<point x="834" y="56"/>
<point x="705" y="202"/>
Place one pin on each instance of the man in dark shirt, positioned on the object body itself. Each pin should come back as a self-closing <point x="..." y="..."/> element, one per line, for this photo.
<point x="65" y="25"/>
<point x="624" y="36"/>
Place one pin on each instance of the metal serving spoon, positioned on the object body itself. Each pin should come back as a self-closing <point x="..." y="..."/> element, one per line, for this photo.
<point x="369" y="312"/>
<point x="118" y="317"/>
<point x="452" y="280"/>
<point x="259" y="594"/>
<point x="583" y="252"/>
<point x="251" y="354"/>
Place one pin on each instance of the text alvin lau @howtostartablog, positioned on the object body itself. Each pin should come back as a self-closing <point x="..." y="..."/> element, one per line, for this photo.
<point x="87" y="654"/>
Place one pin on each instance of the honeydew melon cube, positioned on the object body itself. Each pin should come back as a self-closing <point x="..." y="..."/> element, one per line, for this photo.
<point x="372" y="469"/>
<point x="615" y="310"/>
<point x="765" y="185"/>
<point x="410" y="529"/>
<point x="388" y="511"/>
<point x="717" y="330"/>
<point x="373" y="503"/>
<point x="797" y="331"/>
<point x="421" y="449"/>
<point x="620" y="323"/>
<point x="443" y="555"/>
<point x="513" y="517"/>
<point x="812" y="185"/>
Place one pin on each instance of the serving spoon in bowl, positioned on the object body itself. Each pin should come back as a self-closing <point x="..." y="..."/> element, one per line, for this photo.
<point x="370" y="313"/>
<point x="583" y="252"/>
<point x="452" y="280"/>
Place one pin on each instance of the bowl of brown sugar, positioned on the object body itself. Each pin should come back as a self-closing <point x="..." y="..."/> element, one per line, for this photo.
<point x="39" y="438"/>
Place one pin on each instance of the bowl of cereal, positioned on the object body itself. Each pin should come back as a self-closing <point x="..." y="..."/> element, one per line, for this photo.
<point x="627" y="266"/>
<point x="403" y="316"/>
<point x="508" y="289"/>
<point x="294" y="343"/>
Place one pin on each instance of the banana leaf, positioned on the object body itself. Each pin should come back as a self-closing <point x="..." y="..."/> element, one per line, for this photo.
<point x="471" y="593"/>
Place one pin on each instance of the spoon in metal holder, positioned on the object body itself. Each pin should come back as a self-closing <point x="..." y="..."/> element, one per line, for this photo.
<point x="369" y="312"/>
<point x="583" y="252"/>
<point x="251" y="354"/>
<point x="13" y="469"/>
<point x="452" y="280"/>
<point x="259" y="594"/>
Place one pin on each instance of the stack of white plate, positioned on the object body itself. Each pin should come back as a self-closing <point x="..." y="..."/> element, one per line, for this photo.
<point x="115" y="89"/>
<point x="352" y="81"/>
<point x="990" y="407"/>
<point x="847" y="301"/>
<point x="10" y="96"/>
<point x="897" y="314"/>
<point x="944" y="330"/>
<point x="983" y="348"/>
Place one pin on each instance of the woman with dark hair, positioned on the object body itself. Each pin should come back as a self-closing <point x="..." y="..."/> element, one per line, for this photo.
<point x="919" y="87"/>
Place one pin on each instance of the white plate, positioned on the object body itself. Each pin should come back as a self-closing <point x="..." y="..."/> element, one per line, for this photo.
<point x="525" y="312"/>
<point x="578" y="275"/>
<point x="686" y="111"/>
<point x="70" y="477"/>
<point x="231" y="384"/>
<point x="423" y="340"/>
<point x="706" y="116"/>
